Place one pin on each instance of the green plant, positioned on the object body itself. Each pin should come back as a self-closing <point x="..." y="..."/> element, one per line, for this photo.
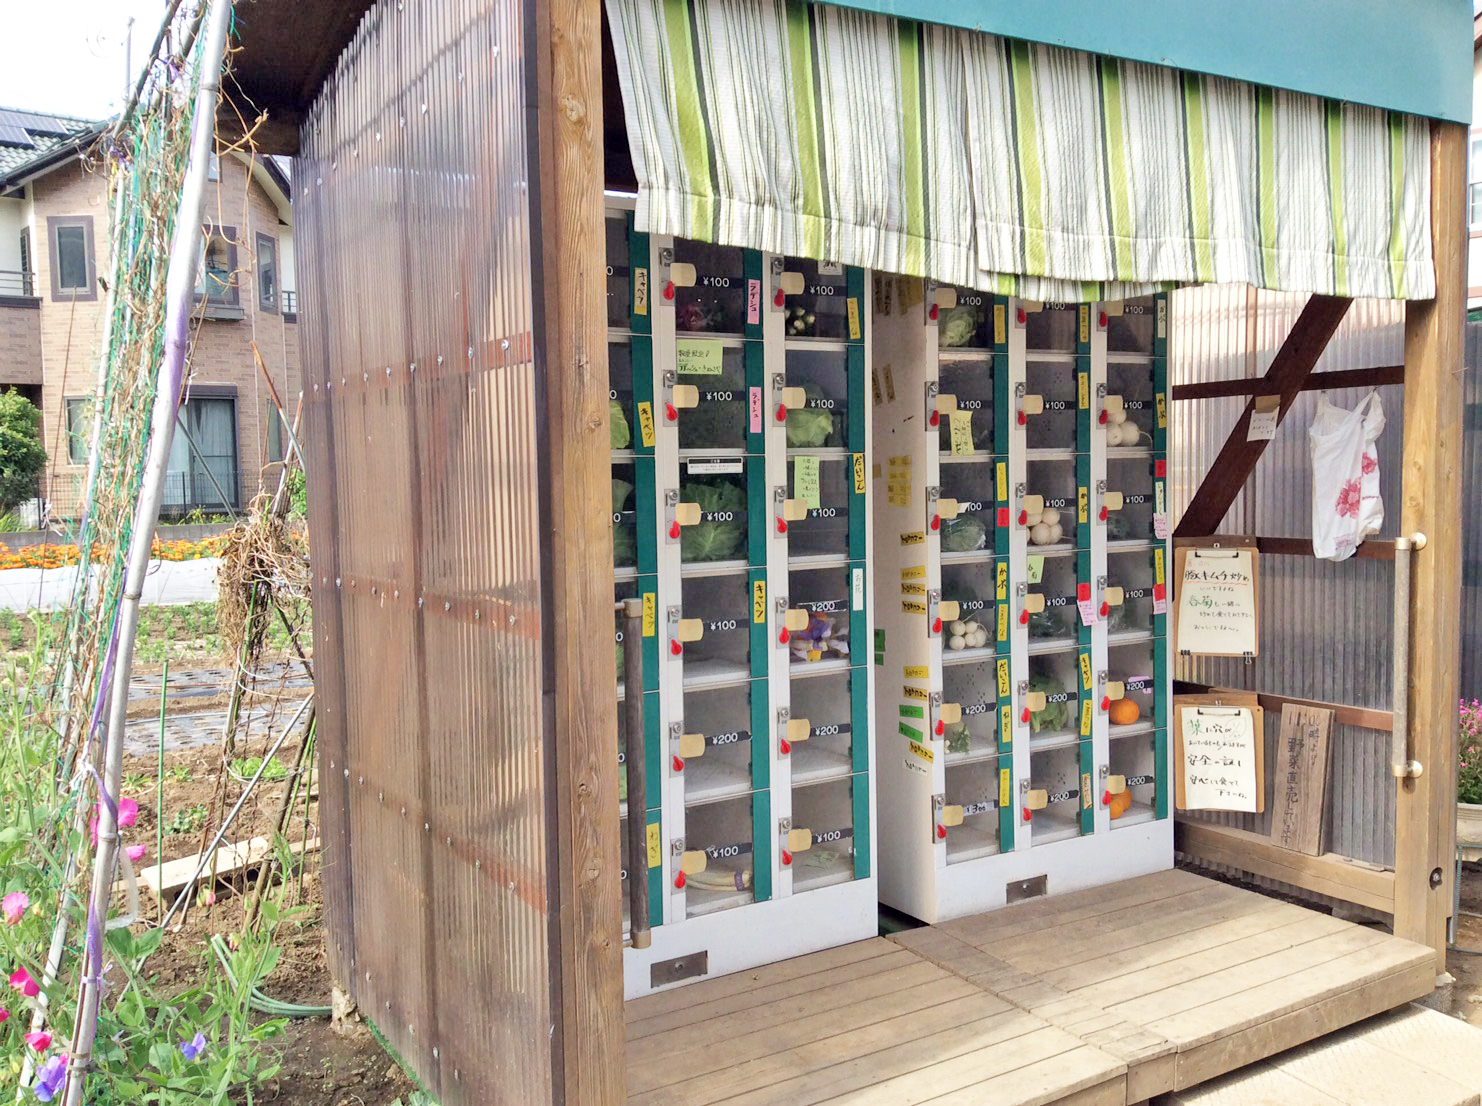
<point x="721" y="531"/>
<point x="21" y="454"/>
<point x="298" y="493"/>
<point x="10" y="523"/>
<point x="180" y="773"/>
<point x="1469" y="754"/>
<point x="187" y="820"/>
<point x="246" y="767"/>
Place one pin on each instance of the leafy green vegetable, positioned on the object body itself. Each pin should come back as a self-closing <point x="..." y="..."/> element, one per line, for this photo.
<point x="963" y="534"/>
<point x="1047" y="623"/>
<point x="620" y="431"/>
<point x="1055" y="716"/>
<point x="621" y="489"/>
<point x="624" y="546"/>
<point x="958" y="326"/>
<point x="809" y="427"/>
<point x="959" y="738"/>
<point x="714" y="539"/>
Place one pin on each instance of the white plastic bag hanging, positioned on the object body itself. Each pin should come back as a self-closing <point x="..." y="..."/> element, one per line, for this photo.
<point x="1346" y="503"/>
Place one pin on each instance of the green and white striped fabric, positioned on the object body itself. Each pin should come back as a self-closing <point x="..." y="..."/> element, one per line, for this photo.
<point x="1023" y="169"/>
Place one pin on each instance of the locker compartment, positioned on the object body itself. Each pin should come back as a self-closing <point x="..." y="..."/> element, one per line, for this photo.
<point x="822" y="422"/>
<point x="1131" y="480"/>
<point x="820" y="730"/>
<point x="624" y="515"/>
<point x="619" y="304"/>
<point x="1049" y="405"/>
<point x="819" y="496"/>
<point x="716" y="302"/>
<point x="822" y="837"/>
<point x="969" y="525"/>
<point x="712" y="754"/>
<point x="827" y="597"/>
<point x="972" y="584"/>
<point x="1130" y="404"/>
<point x="1054" y="482"/>
<point x="620" y="393"/>
<point x="969" y="384"/>
<point x="821" y="309"/>
<point x="973" y="688"/>
<point x="711" y="515"/>
<point x="718" y="417"/>
<point x="1052" y="327"/>
<point x="1132" y="330"/>
<point x="1132" y="787"/>
<point x="632" y="587"/>
<point x="968" y="324"/>
<point x="970" y="814"/>
<point x="718" y="864"/>
<point x="718" y="607"/>
<point x="1048" y="609"/>
<point x="1131" y="581"/>
<point x="1055" y="782"/>
<point x="1133" y="665"/>
<point x="653" y="782"/>
<point x="1058" y="679"/>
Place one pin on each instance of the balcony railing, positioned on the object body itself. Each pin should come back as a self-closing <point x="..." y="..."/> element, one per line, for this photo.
<point x="17" y="282"/>
<point x="290" y="302"/>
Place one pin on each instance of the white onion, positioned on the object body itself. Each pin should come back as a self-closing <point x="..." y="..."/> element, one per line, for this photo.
<point x="1050" y="516"/>
<point x="1033" y="520"/>
<point x="1119" y="416"/>
<point x="955" y="642"/>
<point x="959" y="628"/>
<point x="1040" y="534"/>
<point x="1057" y="532"/>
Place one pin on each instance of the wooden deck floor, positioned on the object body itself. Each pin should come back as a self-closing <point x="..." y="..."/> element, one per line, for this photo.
<point x="1097" y="998"/>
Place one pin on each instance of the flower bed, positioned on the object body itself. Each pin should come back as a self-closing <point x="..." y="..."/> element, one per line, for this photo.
<point x="60" y="555"/>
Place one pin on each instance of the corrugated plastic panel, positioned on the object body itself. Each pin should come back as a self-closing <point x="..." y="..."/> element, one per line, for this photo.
<point x="425" y="502"/>
<point x="1471" y="578"/>
<point x="1326" y="628"/>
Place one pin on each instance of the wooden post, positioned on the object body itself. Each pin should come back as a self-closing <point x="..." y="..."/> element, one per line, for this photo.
<point x="570" y="245"/>
<point x="1425" y="811"/>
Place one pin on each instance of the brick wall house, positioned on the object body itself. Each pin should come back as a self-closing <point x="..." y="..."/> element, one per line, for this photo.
<point x="53" y="245"/>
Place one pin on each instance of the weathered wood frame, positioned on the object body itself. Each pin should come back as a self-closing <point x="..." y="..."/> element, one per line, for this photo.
<point x="1419" y="891"/>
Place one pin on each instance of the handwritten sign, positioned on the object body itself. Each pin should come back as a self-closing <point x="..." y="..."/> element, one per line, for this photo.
<point x="698" y="356"/>
<point x="1219" y="759"/>
<point x="1035" y="569"/>
<point x="898" y="481"/>
<point x="1216" y="608"/>
<point x="962" y="432"/>
<point x="806" y="486"/>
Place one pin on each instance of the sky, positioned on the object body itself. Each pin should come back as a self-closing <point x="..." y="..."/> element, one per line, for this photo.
<point x="67" y="56"/>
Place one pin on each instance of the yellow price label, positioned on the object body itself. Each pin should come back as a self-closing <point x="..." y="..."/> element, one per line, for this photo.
<point x="646" y="424"/>
<point x="1003" y="622"/>
<point x="1001" y="573"/>
<point x="911" y="607"/>
<point x="1000" y="324"/>
<point x="650" y="614"/>
<point x="859" y="474"/>
<point x="1086" y="671"/>
<point x="1086" y="718"/>
<point x="1005" y="726"/>
<point x="1005" y="786"/>
<point x="1085" y="323"/>
<point x="853" y="319"/>
<point x="1161" y="401"/>
<point x="961" y="425"/>
<point x="640" y="291"/>
<point x="1003" y="481"/>
<point x="916" y="671"/>
<point x="915" y="538"/>
<point x="1003" y="678"/>
<point x="916" y="693"/>
<point x="1083" y="390"/>
<point x="914" y="572"/>
<point x="1085" y="790"/>
<point x="759" y="602"/>
<point x="1082" y="505"/>
<point x="913" y="589"/>
<point x="922" y="751"/>
<point x="1158" y="566"/>
<point x="655" y="847"/>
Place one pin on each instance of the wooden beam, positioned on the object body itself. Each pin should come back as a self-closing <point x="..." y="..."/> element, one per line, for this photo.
<point x="1288" y="372"/>
<point x="1343" y="714"/>
<point x="1340" y="378"/>
<point x="1329" y="874"/>
<point x="1374" y="549"/>
<point x="566" y="123"/>
<point x="1425" y="811"/>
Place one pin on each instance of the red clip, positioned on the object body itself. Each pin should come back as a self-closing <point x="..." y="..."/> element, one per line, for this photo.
<point x="941" y="832"/>
<point x="786" y="747"/>
<point x="1023" y="419"/>
<point x="778" y="299"/>
<point x="936" y="522"/>
<point x="786" y="858"/>
<point x="936" y="626"/>
<point x="1023" y="618"/>
<point x="1023" y="518"/>
<point x="781" y="412"/>
<point x="675" y="647"/>
<point x="782" y="525"/>
<point x="1106" y="798"/>
<point x="1021" y="315"/>
<point x="1160" y="469"/>
<point x="668" y="289"/>
<point x="1101" y="418"/>
<point x="934" y="419"/>
<point x="783" y="637"/>
<point x="1028" y="814"/>
<point x="1106" y="702"/>
<point x="1105" y="608"/>
<point x="941" y="727"/>
<point x="1083" y="591"/>
<point x="932" y="312"/>
<point x="1160" y="591"/>
<point x="679" y="881"/>
<point x="1103" y="514"/>
<point x="1024" y="717"/>
<point x="1101" y="320"/>
<point x="671" y="412"/>
<point x="674" y="530"/>
<point x="679" y="764"/>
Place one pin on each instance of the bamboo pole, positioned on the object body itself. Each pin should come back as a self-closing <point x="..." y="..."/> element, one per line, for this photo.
<point x="179" y="297"/>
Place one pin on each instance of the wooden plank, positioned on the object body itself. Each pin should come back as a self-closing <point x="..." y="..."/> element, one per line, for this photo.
<point x="814" y="1079"/>
<point x="1344" y="715"/>
<point x="1300" y="791"/>
<point x="1371" y="549"/>
<point x="571" y="359"/>
<point x="1305" y="1022"/>
<point x="893" y="1028"/>
<point x="1237" y="459"/>
<point x="167" y="880"/>
<point x="1264" y="386"/>
<point x="1080" y="1076"/>
<point x="1329" y="874"/>
<point x="1425" y="810"/>
<point x="754" y="998"/>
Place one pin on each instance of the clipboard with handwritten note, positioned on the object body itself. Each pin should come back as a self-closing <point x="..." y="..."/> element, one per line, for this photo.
<point x="1219" y="750"/>
<point x="1216" y="610"/>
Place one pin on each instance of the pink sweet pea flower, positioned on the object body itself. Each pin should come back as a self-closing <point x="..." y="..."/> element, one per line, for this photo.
<point x="14" y="905"/>
<point x="39" y="1041"/>
<point x="4" y="1015"/>
<point x="128" y="814"/>
<point x="21" y="980"/>
<point x="136" y="853"/>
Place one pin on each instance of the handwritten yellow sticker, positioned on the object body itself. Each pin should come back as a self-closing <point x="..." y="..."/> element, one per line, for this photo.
<point x="859" y="474"/>
<point x="1001" y="571"/>
<point x="1162" y="404"/>
<point x="1003" y="678"/>
<point x="889" y="384"/>
<point x="1085" y="790"/>
<point x="1086" y="718"/>
<point x="914" y="538"/>
<point x="913" y="589"/>
<point x="910" y="606"/>
<point x="1000" y="324"/>
<point x="853" y="319"/>
<point x="650" y="613"/>
<point x="1003" y="622"/>
<point x="914" y="572"/>
<point x="961" y="424"/>
<point x="640" y="291"/>
<point x="1003" y="481"/>
<point x="1004" y="781"/>
<point x="759" y="602"/>
<point x="1082" y="505"/>
<point x="1086" y="671"/>
<point x="1005" y="726"/>
<point x="1085" y="313"/>
<point x="921" y="751"/>
<point x="915" y="693"/>
<point x="698" y="356"/>
<point x="1083" y="390"/>
<point x="655" y="849"/>
<point x="646" y="423"/>
<point x="1157" y="566"/>
<point x="917" y="672"/>
<point x="807" y="488"/>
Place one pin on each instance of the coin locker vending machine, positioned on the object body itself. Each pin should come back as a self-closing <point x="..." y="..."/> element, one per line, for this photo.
<point x="740" y="513"/>
<point x="1021" y="556"/>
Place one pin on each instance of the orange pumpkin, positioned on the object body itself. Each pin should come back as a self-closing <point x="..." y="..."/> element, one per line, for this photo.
<point x="1124" y="712"/>
<point x="1120" y="804"/>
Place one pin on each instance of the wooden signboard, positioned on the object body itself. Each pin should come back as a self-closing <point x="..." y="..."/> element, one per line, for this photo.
<point x="1216" y="611"/>
<point x="1301" y="786"/>
<point x="1219" y="752"/>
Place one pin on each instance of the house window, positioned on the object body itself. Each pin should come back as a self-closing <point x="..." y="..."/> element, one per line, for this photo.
<point x="72" y="266"/>
<point x="202" y="473"/>
<point x="1474" y="182"/>
<point x="274" y="421"/>
<point x="26" y="286"/>
<point x="216" y="281"/>
<point x="267" y="273"/>
<point x="79" y="429"/>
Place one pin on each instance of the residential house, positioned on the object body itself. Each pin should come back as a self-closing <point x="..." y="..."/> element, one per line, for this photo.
<point x="53" y="249"/>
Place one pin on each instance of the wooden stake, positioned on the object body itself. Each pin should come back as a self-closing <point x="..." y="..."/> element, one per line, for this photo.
<point x="1425" y="809"/>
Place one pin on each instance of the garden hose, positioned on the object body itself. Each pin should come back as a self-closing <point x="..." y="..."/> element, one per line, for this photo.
<point x="260" y="1002"/>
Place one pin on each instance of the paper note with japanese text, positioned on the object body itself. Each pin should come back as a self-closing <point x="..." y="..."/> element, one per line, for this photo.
<point x="1217" y="604"/>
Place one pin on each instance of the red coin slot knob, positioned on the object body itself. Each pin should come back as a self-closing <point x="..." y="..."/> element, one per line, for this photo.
<point x="941" y="832"/>
<point x="934" y="419"/>
<point x="679" y="764"/>
<point x="1024" y="715"/>
<point x="1105" y="608"/>
<point x="1023" y="419"/>
<point x="786" y="858"/>
<point x="1106" y="798"/>
<point x="941" y="727"/>
<point x="778" y="299"/>
<point x="782" y="412"/>
<point x="675" y="647"/>
<point x="1101" y="320"/>
<point x="671" y="412"/>
<point x="782" y="525"/>
<point x="936" y="626"/>
<point x="1021" y="315"/>
<point x="1101" y="418"/>
<point x="679" y="881"/>
<point x="674" y="529"/>
<point x="786" y="747"/>
<point x="1106" y="702"/>
<point x="1023" y="618"/>
<point x="932" y="312"/>
<point x="1103" y="514"/>
<point x="668" y="289"/>
<point x="936" y="522"/>
<point x="1023" y="518"/>
<point x="784" y="636"/>
<point x="1028" y="815"/>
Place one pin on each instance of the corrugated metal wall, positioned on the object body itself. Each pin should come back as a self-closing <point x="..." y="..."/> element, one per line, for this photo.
<point x="415" y="285"/>
<point x="1471" y="565"/>
<point x="1326" y="628"/>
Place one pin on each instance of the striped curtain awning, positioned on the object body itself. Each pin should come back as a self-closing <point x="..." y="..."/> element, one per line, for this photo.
<point x="1017" y="168"/>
